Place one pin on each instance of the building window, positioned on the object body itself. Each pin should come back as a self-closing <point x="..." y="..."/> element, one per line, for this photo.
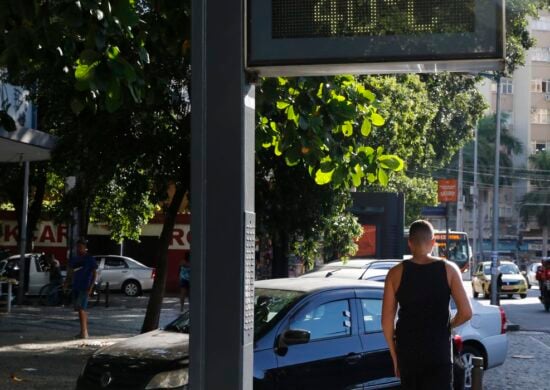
<point x="540" y="116"/>
<point x="536" y="85"/>
<point x="540" y="146"/>
<point x="507" y="86"/>
<point x="540" y="54"/>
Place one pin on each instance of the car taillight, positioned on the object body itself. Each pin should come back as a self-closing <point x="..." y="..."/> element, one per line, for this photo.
<point x="457" y="343"/>
<point x="547" y="273"/>
<point x="502" y="320"/>
<point x="154" y="273"/>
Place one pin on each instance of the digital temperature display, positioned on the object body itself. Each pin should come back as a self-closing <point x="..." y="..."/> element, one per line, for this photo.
<point x="317" y="37"/>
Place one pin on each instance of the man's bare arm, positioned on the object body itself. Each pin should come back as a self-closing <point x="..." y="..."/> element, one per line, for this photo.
<point x="463" y="306"/>
<point x="389" y="310"/>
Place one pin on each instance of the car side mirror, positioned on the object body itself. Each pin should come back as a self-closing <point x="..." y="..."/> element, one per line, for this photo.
<point x="293" y="337"/>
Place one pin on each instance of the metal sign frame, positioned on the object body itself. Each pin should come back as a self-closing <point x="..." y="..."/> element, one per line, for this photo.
<point x="482" y="49"/>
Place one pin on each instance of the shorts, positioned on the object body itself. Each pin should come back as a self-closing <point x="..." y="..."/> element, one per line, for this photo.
<point x="433" y="378"/>
<point x="184" y="283"/>
<point x="80" y="300"/>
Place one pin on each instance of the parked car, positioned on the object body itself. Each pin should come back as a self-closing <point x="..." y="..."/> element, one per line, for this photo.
<point x="36" y="271"/>
<point x="125" y="274"/>
<point x="483" y="336"/>
<point x="513" y="281"/>
<point x="328" y="329"/>
<point x="532" y="273"/>
<point x="365" y="269"/>
<point x="308" y="333"/>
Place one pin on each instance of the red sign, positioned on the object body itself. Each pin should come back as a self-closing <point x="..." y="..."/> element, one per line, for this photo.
<point x="447" y="190"/>
<point x="367" y="243"/>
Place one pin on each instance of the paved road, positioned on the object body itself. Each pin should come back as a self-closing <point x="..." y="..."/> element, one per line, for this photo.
<point x="528" y="313"/>
<point x="528" y="358"/>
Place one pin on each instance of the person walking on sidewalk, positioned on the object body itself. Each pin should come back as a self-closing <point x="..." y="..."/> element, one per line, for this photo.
<point x="184" y="277"/>
<point x="420" y="342"/>
<point x="84" y="269"/>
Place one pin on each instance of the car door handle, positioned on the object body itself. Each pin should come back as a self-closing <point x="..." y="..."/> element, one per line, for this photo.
<point x="353" y="358"/>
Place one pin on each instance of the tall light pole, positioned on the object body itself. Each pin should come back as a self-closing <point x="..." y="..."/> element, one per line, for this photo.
<point x="475" y="195"/>
<point x="496" y="198"/>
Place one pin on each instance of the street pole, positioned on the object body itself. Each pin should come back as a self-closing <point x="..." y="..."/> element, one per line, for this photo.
<point x="475" y="194"/>
<point x="23" y="236"/>
<point x="447" y="230"/>
<point x="221" y="339"/>
<point x="460" y="203"/>
<point x="496" y="198"/>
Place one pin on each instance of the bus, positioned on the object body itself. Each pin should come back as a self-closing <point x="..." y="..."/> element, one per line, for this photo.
<point x="460" y="252"/>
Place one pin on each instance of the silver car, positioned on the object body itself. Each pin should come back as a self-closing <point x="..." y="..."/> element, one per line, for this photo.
<point x="125" y="274"/>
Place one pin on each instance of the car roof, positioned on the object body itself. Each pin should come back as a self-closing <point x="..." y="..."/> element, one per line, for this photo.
<point x="354" y="263"/>
<point x="314" y="284"/>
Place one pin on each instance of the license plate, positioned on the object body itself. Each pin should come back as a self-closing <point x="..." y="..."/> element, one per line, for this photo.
<point x="508" y="288"/>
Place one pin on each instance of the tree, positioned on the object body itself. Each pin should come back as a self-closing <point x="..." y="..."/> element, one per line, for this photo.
<point x="113" y="78"/>
<point x="312" y="146"/>
<point x="536" y="203"/>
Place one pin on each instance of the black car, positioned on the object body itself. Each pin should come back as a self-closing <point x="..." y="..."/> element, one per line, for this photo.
<point x="309" y="334"/>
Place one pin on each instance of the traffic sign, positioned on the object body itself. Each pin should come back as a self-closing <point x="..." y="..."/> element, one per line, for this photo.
<point x="447" y="190"/>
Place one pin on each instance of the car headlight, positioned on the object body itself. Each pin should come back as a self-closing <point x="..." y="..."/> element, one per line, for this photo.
<point x="169" y="379"/>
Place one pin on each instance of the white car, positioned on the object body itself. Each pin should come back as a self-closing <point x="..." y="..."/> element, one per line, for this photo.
<point x="483" y="336"/>
<point x="366" y="269"/>
<point x="124" y="273"/>
<point x="37" y="274"/>
<point x="532" y="272"/>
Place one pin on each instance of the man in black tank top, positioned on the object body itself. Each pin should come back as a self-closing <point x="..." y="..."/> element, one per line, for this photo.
<point x="420" y="342"/>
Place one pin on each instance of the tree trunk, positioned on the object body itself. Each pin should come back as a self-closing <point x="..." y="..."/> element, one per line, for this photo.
<point x="152" y="316"/>
<point x="545" y="229"/>
<point x="35" y="207"/>
<point x="280" y="256"/>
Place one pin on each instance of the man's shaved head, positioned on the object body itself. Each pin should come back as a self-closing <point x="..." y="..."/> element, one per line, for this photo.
<point x="421" y="231"/>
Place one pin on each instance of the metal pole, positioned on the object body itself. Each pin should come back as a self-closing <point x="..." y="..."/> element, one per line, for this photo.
<point x="23" y="236"/>
<point x="474" y="211"/>
<point x="222" y="190"/>
<point x="447" y="230"/>
<point x="477" y="373"/>
<point x="460" y="190"/>
<point x="496" y="198"/>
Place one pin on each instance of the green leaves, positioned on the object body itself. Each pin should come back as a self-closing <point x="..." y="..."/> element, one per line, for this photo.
<point x="323" y="124"/>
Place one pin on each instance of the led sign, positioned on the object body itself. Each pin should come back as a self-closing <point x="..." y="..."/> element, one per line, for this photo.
<point x="309" y="37"/>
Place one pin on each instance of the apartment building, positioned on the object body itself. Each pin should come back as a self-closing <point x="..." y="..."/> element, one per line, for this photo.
<point x="525" y="102"/>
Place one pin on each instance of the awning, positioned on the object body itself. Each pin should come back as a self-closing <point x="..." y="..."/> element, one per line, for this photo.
<point x="25" y="144"/>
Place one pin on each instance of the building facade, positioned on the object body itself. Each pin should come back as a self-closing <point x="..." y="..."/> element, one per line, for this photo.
<point x="525" y="103"/>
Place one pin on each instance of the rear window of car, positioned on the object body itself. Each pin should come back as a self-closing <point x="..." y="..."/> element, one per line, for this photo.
<point x="114" y="263"/>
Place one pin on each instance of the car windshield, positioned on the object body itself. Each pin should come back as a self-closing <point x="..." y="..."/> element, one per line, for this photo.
<point x="269" y="306"/>
<point x="506" y="269"/>
<point x="383" y="265"/>
<point x="509" y="269"/>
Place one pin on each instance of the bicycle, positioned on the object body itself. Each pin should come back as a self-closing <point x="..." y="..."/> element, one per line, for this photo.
<point x="54" y="294"/>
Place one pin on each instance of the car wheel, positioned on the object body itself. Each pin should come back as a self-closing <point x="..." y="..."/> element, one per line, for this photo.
<point x="523" y="296"/>
<point x="476" y="294"/>
<point x="131" y="288"/>
<point x="468" y="353"/>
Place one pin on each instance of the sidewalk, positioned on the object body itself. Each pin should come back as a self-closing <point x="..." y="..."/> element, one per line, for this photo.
<point x="526" y="366"/>
<point x="38" y="350"/>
